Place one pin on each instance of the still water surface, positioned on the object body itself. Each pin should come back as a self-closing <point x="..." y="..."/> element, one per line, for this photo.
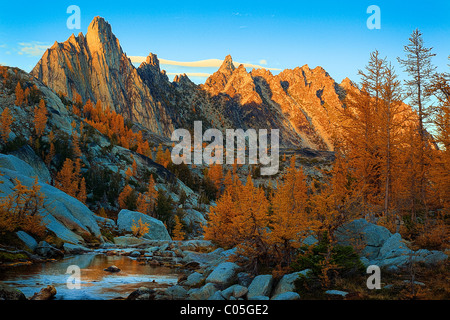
<point x="96" y="284"/>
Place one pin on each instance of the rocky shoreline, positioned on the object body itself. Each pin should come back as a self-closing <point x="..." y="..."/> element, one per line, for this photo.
<point x="208" y="273"/>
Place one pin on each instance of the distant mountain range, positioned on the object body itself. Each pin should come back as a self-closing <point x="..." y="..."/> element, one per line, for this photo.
<point x="302" y="103"/>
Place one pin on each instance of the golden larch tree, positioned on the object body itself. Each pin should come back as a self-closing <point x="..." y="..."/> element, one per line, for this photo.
<point x="40" y="118"/>
<point x="6" y="119"/>
<point x="178" y="233"/>
<point x="20" y="95"/>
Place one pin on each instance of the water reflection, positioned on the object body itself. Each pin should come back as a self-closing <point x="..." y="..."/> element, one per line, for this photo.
<point x="96" y="283"/>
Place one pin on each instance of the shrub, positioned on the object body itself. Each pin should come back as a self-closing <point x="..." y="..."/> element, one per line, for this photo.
<point x="140" y="228"/>
<point x="21" y="210"/>
<point x="326" y="262"/>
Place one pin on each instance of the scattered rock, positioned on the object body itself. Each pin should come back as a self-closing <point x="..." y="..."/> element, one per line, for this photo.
<point x="204" y="293"/>
<point x="135" y="254"/>
<point x="236" y="291"/>
<point x="259" y="298"/>
<point x="244" y="279"/>
<point x="339" y="293"/>
<point x="177" y="292"/>
<point x="112" y="269"/>
<point x="75" y="248"/>
<point x="217" y="296"/>
<point x="47" y="251"/>
<point x="143" y="293"/>
<point x="223" y="275"/>
<point x="7" y="293"/>
<point x="194" y="279"/>
<point x="260" y="286"/>
<point x="288" y="295"/>
<point x="45" y="294"/>
<point x="379" y="247"/>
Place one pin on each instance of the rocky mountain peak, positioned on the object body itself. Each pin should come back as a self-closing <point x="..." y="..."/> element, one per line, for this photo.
<point x="99" y="25"/>
<point x="151" y="65"/>
<point x="99" y="36"/>
<point x="152" y="59"/>
<point x="96" y="68"/>
<point x="301" y="102"/>
<point x="227" y="65"/>
<point x="347" y="84"/>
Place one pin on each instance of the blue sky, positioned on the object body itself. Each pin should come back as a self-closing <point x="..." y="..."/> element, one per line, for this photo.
<point x="273" y="34"/>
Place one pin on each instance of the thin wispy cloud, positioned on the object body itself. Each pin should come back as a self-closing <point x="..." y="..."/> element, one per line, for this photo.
<point x="208" y="63"/>
<point x="34" y="48"/>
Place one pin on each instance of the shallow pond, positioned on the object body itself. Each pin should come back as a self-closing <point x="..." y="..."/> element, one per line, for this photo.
<point x="96" y="284"/>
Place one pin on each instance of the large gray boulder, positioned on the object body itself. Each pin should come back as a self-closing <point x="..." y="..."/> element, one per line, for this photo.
<point x="194" y="279"/>
<point x="27" y="240"/>
<point x="128" y="240"/>
<point x="260" y="286"/>
<point x="207" y="260"/>
<point x="223" y="275"/>
<point x="364" y="235"/>
<point x="177" y="292"/>
<point x="235" y="290"/>
<point x="13" y="163"/>
<point x="48" y="251"/>
<point x="27" y="154"/>
<point x="378" y="246"/>
<point x="429" y="257"/>
<point x="157" y="230"/>
<point x="194" y="218"/>
<point x="7" y="293"/>
<point x="204" y="293"/>
<point x="67" y="217"/>
<point x="393" y="247"/>
<point x="287" y="282"/>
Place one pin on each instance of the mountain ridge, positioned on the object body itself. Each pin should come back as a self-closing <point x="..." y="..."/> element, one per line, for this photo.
<point x="301" y="102"/>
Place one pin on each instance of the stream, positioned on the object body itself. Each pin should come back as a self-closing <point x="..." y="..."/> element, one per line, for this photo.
<point x="96" y="284"/>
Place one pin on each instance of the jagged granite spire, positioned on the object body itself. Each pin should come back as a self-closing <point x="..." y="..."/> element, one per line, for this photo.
<point x="96" y="68"/>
